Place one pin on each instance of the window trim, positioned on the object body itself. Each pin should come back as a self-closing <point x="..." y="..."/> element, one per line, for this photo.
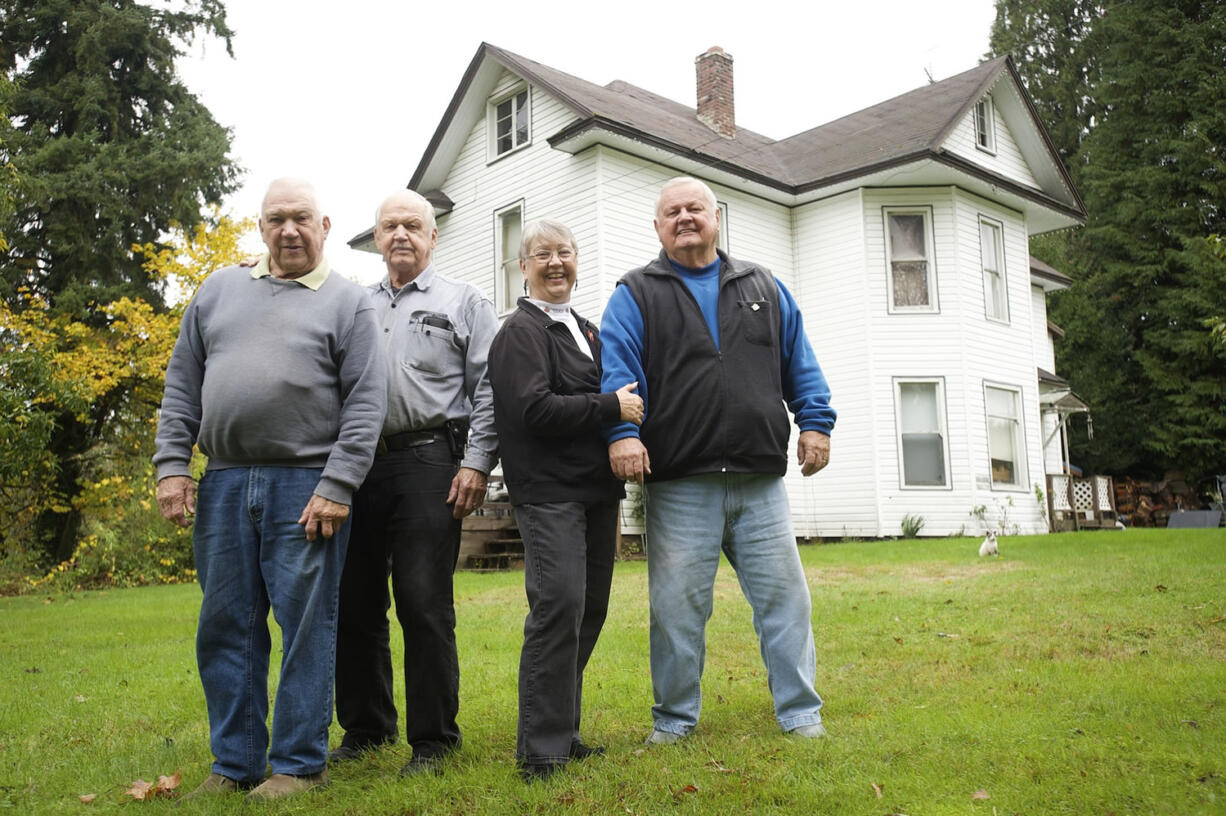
<point x="1019" y="437"/>
<point x="926" y="210"/>
<point x="503" y="293"/>
<point x="983" y="114"/>
<point x="722" y="239"/>
<point x="491" y="122"/>
<point x="943" y="429"/>
<point x="1000" y="261"/>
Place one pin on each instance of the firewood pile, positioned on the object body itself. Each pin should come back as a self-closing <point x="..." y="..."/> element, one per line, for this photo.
<point x="1150" y="503"/>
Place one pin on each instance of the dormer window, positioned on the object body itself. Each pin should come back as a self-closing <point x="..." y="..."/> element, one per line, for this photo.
<point x="985" y="125"/>
<point x="510" y="125"/>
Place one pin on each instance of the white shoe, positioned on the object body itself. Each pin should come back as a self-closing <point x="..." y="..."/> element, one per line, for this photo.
<point x="659" y="737"/>
<point x="814" y="731"/>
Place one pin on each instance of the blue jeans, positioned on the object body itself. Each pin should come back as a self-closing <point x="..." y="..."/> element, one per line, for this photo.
<point x="252" y="553"/>
<point x="689" y="521"/>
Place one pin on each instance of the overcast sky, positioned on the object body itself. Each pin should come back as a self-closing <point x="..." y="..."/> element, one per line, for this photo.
<point x="348" y="94"/>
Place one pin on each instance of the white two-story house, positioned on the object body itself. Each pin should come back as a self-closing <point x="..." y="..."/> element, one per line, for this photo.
<point x="902" y="230"/>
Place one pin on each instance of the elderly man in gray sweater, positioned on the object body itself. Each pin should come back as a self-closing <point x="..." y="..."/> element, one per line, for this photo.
<point x="278" y="377"/>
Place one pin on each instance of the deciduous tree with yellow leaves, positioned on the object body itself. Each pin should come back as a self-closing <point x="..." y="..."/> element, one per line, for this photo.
<point x="107" y="378"/>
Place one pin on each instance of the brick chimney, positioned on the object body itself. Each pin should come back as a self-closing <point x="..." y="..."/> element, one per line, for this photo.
<point x="715" y="108"/>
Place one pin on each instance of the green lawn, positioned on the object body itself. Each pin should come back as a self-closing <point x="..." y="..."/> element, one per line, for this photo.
<point x="1077" y="673"/>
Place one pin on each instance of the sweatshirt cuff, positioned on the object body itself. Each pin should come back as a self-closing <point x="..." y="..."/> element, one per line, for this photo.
<point x="333" y="490"/>
<point x="174" y="468"/>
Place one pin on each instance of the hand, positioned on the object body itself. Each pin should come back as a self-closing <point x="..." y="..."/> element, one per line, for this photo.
<point x="250" y="261"/>
<point x="629" y="459"/>
<point x="631" y="404"/>
<point x="812" y="452"/>
<point x="467" y="492"/>
<point x="177" y="499"/>
<point x="322" y="517"/>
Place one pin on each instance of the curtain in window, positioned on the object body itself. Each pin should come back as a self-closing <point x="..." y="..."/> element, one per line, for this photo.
<point x="909" y="259"/>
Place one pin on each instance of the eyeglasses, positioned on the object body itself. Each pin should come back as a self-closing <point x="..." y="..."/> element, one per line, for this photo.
<point x="546" y="255"/>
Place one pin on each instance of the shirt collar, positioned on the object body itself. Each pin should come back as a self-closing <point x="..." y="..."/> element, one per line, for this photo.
<point x="311" y="280"/>
<point x="421" y="282"/>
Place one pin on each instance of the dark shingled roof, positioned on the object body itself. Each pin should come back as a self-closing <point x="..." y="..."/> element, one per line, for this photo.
<point x="895" y="130"/>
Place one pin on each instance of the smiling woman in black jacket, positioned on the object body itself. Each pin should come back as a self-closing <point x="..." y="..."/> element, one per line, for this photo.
<point x="544" y="366"/>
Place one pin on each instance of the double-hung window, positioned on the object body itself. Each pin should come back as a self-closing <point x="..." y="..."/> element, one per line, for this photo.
<point x="992" y="259"/>
<point x="1004" y="416"/>
<point x="510" y="122"/>
<point x="509" y="280"/>
<point x="909" y="254"/>
<point x="985" y="125"/>
<point x="922" y="433"/>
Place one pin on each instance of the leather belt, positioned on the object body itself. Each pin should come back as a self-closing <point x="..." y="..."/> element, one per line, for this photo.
<point x="411" y="439"/>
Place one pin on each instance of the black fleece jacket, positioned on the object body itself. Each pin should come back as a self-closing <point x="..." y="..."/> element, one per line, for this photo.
<point x="548" y="411"/>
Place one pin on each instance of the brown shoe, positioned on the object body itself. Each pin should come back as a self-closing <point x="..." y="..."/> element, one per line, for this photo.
<point x="279" y="786"/>
<point x="215" y="783"/>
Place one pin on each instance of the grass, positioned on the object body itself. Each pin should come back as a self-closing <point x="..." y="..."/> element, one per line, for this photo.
<point x="1077" y="673"/>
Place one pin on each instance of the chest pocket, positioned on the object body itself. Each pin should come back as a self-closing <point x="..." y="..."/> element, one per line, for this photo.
<point x="756" y="321"/>
<point x="432" y="346"/>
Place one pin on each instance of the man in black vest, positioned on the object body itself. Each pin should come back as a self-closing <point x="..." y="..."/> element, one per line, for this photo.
<point x="718" y="347"/>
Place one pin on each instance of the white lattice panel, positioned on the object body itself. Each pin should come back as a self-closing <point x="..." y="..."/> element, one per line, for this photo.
<point x="1083" y="494"/>
<point x="1059" y="493"/>
<point x="1104" y="493"/>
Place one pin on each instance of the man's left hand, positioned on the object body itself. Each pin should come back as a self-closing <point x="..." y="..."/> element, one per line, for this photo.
<point x="323" y="517"/>
<point x="812" y="452"/>
<point x="467" y="492"/>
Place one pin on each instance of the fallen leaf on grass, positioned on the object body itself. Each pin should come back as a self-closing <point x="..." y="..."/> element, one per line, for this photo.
<point x="980" y="794"/>
<point x="1160" y="588"/>
<point x="948" y="635"/>
<point x="88" y="797"/>
<point x="142" y="790"/>
<point x="687" y="789"/>
<point x="898" y="640"/>
<point x="877" y="789"/>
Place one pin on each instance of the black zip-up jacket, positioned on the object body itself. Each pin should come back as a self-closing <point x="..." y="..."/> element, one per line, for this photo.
<point x="712" y="410"/>
<point x="548" y="411"/>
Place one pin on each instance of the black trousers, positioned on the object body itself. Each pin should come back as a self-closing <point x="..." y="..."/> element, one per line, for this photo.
<point x="402" y="525"/>
<point x="569" y="549"/>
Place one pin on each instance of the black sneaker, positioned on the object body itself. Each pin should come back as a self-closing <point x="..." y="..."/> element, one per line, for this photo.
<point x="423" y="764"/>
<point x="580" y="750"/>
<point x="539" y="771"/>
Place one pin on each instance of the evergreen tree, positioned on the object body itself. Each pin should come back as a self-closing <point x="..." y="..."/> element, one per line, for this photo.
<point x="1144" y="130"/>
<point x="112" y="150"/>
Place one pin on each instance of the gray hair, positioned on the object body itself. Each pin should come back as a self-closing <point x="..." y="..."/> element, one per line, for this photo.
<point x="416" y="198"/>
<point x="679" y="181"/>
<point x="545" y="229"/>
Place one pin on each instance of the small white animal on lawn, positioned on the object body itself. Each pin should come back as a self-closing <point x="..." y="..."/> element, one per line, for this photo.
<point x="988" y="547"/>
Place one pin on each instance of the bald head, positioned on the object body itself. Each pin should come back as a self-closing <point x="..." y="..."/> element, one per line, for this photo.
<point x="405" y="234"/>
<point x="292" y="227"/>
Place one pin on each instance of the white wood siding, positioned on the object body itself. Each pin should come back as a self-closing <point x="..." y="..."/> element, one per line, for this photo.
<point x="832" y="289"/>
<point x="960" y="345"/>
<point x="550" y="184"/>
<point x="1044" y="347"/>
<point x="1008" y="160"/>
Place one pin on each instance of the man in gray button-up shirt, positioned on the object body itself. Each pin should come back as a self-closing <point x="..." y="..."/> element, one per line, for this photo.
<point x="437" y="448"/>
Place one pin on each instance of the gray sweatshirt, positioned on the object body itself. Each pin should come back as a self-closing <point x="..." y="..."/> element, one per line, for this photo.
<point x="270" y="372"/>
